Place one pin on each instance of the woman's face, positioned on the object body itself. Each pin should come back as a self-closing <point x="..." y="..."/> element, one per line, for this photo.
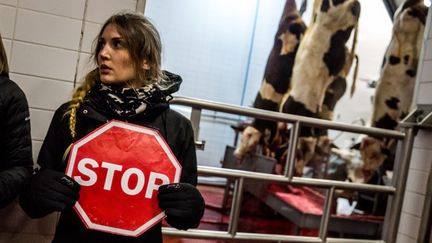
<point x="115" y="63"/>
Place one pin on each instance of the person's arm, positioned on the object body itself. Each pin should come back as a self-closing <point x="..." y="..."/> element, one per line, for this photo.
<point x="17" y="150"/>
<point x="50" y="189"/>
<point x="187" y="156"/>
<point x="182" y="202"/>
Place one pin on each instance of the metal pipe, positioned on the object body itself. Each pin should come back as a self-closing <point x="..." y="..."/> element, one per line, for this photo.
<point x="322" y="183"/>
<point x="235" y="206"/>
<point x="250" y="237"/>
<point x="195" y="119"/>
<point x="140" y="6"/>
<point x="289" y="118"/>
<point x="326" y="214"/>
<point x="394" y="206"/>
<point x="290" y="162"/>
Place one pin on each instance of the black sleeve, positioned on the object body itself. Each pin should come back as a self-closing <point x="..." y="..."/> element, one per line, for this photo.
<point x="16" y="148"/>
<point x="56" y="142"/>
<point x="36" y="199"/>
<point x="187" y="156"/>
<point x="180" y="137"/>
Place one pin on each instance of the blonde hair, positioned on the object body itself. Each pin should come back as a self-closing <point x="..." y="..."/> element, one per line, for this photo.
<point x="143" y="44"/>
<point x="4" y="67"/>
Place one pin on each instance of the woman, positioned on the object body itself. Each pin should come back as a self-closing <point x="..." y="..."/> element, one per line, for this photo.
<point x="128" y="85"/>
<point x="15" y="142"/>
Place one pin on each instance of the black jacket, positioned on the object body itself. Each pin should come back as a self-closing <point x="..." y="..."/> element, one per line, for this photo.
<point x="174" y="127"/>
<point x="15" y="140"/>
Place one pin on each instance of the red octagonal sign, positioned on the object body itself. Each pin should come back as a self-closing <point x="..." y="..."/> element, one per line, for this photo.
<point x="120" y="167"/>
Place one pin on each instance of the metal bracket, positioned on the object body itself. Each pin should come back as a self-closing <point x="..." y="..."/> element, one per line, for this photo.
<point x="200" y="144"/>
<point x="421" y="117"/>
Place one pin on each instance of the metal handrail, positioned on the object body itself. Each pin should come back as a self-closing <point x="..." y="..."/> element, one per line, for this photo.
<point x="282" y="117"/>
<point x="396" y="190"/>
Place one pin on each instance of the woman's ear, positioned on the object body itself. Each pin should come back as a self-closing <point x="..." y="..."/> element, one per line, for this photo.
<point x="145" y="65"/>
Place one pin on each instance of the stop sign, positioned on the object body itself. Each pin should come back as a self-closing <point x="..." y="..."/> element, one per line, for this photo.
<point x="120" y="167"/>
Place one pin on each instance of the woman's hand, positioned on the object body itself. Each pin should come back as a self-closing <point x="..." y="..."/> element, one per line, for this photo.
<point x="183" y="205"/>
<point x="49" y="191"/>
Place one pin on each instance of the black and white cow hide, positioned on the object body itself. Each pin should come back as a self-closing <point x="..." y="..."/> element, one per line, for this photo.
<point x="320" y="58"/>
<point x="276" y="80"/>
<point x="394" y="92"/>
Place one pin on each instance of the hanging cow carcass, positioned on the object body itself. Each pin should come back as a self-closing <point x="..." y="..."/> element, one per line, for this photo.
<point x="394" y="92"/>
<point x="276" y="80"/>
<point x="321" y="58"/>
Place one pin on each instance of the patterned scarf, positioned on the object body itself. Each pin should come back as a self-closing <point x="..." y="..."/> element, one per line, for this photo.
<point x="126" y="102"/>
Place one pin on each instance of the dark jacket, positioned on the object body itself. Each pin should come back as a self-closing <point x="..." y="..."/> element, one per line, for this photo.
<point x="174" y="127"/>
<point x="15" y="140"/>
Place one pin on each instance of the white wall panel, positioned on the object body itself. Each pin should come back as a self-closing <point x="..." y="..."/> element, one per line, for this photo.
<point x="67" y="8"/>
<point x="417" y="181"/>
<point x="36" y="145"/>
<point x="9" y="2"/>
<point x="401" y="238"/>
<point x="91" y="30"/>
<point x="413" y="203"/>
<point x="421" y="159"/>
<point x="44" y="93"/>
<point x="7" y="20"/>
<point x="426" y="74"/>
<point x="48" y="29"/>
<point x="8" y="46"/>
<point x="40" y="121"/>
<point x="43" y="61"/>
<point x="411" y="225"/>
<point x="208" y="45"/>
<point x="428" y="50"/>
<point x="99" y="10"/>
<point x="424" y="93"/>
<point x="423" y="139"/>
<point x="85" y="65"/>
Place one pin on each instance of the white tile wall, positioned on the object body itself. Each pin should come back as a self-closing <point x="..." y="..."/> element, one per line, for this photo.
<point x="413" y="203"/>
<point x="7" y="14"/>
<point x="66" y="8"/>
<point x="426" y="74"/>
<point x="417" y="181"/>
<point x="421" y="160"/>
<point x="99" y="10"/>
<point x="428" y="50"/>
<point x="8" y="46"/>
<point x="48" y="29"/>
<point x="9" y="2"/>
<point x="40" y="121"/>
<point x="43" y="61"/>
<point x="85" y="65"/>
<point x="423" y="139"/>
<point x="424" y="92"/>
<point x="44" y="93"/>
<point x="36" y="145"/>
<point x="405" y="239"/>
<point x="409" y="225"/>
<point x="91" y="30"/>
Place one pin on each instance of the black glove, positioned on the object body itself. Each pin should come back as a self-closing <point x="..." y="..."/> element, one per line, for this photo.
<point x="48" y="191"/>
<point x="183" y="205"/>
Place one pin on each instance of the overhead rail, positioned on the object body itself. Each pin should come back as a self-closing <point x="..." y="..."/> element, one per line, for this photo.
<point x="395" y="190"/>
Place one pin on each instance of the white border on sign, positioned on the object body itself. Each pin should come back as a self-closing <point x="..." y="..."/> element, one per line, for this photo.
<point x="93" y="135"/>
<point x="109" y="229"/>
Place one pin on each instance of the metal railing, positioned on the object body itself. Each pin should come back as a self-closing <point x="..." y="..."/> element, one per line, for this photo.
<point x="395" y="191"/>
